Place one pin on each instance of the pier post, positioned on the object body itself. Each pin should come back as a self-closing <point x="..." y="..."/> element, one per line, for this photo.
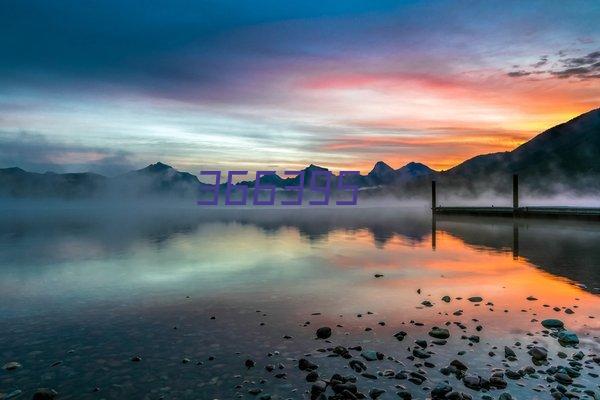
<point x="515" y="240"/>
<point x="433" y="197"/>
<point x="515" y="191"/>
<point x="433" y="232"/>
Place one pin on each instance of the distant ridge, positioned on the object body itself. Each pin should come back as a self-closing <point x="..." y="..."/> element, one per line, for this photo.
<point x="566" y="155"/>
<point x="563" y="158"/>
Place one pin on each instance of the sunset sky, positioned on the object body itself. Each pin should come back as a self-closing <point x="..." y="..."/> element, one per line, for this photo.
<point x="109" y="86"/>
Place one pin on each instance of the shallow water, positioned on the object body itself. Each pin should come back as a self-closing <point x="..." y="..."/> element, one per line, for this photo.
<point x="92" y="289"/>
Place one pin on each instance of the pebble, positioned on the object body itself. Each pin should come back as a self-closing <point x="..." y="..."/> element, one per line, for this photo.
<point x="567" y="338"/>
<point x="11" y="366"/>
<point x="305" y="365"/>
<point x="509" y="353"/>
<point x="45" y="394"/>
<point x="538" y="353"/>
<point x="371" y="355"/>
<point x="420" y="354"/>
<point x="553" y="323"/>
<point x="439" y="333"/>
<point x="375" y="393"/>
<point x="324" y="332"/>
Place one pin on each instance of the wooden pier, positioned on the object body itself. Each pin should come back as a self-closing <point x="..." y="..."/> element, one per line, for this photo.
<point x="516" y="211"/>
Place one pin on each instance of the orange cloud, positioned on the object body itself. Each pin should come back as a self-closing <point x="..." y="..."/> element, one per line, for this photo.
<point x="442" y="120"/>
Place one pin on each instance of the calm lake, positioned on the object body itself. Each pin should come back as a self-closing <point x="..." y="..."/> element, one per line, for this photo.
<point x="195" y="294"/>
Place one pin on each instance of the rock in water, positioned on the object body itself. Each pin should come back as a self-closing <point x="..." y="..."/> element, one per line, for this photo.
<point x="305" y="365"/>
<point x="11" y="366"/>
<point x="375" y="393"/>
<point x="420" y="354"/>
<point x="475" y="299"/>
<point x="369" y="355"/>
<point x="446" y="299"/>
<point x="538" y="353"/>
<point x="441" y="390"/>
<point x="458" y="365"/>
<point x="508" y="352"/>
<point x="439" y="333"/>
<point x="45" y="394"/>
<point x="472" y="382"/>
<point x="404" y="395"/>
<point x="567" y="338"/>
<point x="324" y="332"/>
<point x="553" y="323"/>
<point x="563" y="378"/>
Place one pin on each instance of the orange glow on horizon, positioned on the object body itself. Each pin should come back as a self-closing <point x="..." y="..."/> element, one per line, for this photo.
<point x="442" y="121"/>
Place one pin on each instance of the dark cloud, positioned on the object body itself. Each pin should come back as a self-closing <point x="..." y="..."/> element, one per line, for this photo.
<point x="579" y="72"/>
<point x="579" y="61"/>
<point x="33" y="152"/>
<point x="582" y="68"/>
<point x="517" y="74"/>
<point x="543" y="61"/>
<point x="586" y="67"/>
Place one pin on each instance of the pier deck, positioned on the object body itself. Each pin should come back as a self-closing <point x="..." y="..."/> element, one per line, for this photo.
<point x="516" y="210"/>
<point x="523" y="212"/>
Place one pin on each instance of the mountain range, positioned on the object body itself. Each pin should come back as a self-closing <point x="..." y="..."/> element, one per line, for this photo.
<point x="563" y="158"/>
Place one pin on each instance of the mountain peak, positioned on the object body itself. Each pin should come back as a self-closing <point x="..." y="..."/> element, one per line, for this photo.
<point x="12" y="170"/>
<point x="414" y="167"/>
<point x="157" y="167"/>
<point x="381" y="167"/>
<point x="313" y="167"/>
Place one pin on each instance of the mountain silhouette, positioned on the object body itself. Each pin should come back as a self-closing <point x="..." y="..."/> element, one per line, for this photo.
<point x="15" y="182"/>
<point x="563" y="158"/>
<point x="566" y="156"/>
<point x="381" y="174"/>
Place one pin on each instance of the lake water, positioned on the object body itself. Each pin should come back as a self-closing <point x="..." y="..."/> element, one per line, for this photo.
<point x="196" y="293"/>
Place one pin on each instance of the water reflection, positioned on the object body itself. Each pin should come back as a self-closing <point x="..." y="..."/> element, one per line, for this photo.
<point x="30" y="240"/>
<point x="564" y="248"/>
<point x="110" y="285"/>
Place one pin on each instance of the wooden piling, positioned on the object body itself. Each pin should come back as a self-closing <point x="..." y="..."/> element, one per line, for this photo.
<point x="433" y="196"/>
<point x="515" y="191"/>
<point x="516" y="211"/>
<point x="515" y="240"/>
<point x="433" y="232"/>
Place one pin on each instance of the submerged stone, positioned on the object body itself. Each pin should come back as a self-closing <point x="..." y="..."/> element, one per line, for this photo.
<point x="439" y="333"/>
<point x="375" y="393"/>
<point x="538" y="353"/>
<point x="371" y="355"/>
<point x="553" y="323"/>
<point x="45" y="394"/>
<point x="11" y="366"/>
<point x="324" y="332"/>
<point x="508" y="352"/>
<point x="567" y="338"/>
